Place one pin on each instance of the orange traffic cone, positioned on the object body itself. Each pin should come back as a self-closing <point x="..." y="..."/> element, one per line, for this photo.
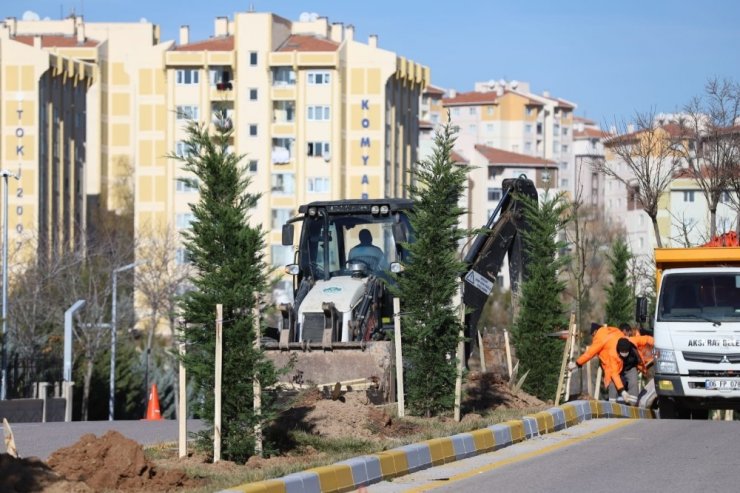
<point x="152" y="408"/>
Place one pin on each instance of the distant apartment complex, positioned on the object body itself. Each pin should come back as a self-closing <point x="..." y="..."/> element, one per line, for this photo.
<point x="318" y="114"/>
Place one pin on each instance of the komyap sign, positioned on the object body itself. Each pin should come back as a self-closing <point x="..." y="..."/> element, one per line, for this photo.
<point x="365" y="145"/>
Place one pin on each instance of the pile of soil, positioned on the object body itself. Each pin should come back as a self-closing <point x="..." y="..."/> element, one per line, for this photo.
<point x="114" y="462"/>
<point x="31" y="474"/>
<point x="488" y="391"/>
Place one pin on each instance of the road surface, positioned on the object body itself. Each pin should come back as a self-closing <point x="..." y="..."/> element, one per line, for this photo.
<point x="603" y="455"/>
<point x="41" y="439"/>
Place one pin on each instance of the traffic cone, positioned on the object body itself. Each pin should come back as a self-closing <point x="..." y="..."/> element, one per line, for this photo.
<point x="152" y="408"/>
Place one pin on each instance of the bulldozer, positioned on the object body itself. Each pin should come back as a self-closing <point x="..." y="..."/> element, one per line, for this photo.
<point x="338" y="327"/>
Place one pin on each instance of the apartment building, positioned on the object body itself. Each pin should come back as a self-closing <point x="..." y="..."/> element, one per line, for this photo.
<point x="43" y="112"/>
<point x="317" y="113"/>
<point x="588" y="152"/>
<point x="507" y="115"/>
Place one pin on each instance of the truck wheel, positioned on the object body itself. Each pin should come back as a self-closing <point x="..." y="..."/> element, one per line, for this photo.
<point x="668" y="409"/>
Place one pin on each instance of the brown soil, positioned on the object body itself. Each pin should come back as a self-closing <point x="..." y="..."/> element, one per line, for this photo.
<point x="114" y="462"/>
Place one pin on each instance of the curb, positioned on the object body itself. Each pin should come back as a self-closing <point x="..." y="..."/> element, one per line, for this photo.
<point x="361" y="471"/>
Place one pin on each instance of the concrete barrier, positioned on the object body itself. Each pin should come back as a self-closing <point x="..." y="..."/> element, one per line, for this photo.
<point x="361" y="471"/>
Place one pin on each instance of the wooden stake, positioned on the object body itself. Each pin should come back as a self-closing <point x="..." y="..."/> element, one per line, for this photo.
<point x="597" y="384"/>
<point x="399" y="356"/>
<point x="182" y="417"/>
<point x="10" y="447"/>
<point x="589" y="382"/>
<point x="564" y="361"/>
<point x="460" y="357"/>
<point x="217" y="390"/>
<point x="507" y="346"/>
<point x="256" y="384"/>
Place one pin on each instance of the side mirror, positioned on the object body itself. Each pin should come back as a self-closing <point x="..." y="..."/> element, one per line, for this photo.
<point x="287" y="234"/>
<point x="641" y="309"/>
<point x="292" y="269"/>
<point x="396" y="267"/>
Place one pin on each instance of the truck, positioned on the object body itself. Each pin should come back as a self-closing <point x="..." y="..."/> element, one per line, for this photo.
<point x="338" y="326"/>
<point x="696" y="328"/>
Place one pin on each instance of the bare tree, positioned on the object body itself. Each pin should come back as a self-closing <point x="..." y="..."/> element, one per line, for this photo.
<point x="685" y="228"/>
<point x="649" y="154"/>
<point x="160" y="279"/>
<point x="709" y="145"/>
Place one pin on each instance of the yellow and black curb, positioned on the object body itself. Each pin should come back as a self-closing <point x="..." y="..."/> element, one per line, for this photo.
<point x="354" y="473"/>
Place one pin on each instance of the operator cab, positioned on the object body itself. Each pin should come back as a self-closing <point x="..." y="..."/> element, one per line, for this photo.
<point x="349" y="238"/>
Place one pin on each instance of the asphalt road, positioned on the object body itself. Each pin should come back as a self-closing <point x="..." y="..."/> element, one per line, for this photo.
<point x="42" y="439"/>
<point x="598" y="456"/>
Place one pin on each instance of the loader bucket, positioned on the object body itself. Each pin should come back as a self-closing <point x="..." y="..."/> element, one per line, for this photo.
<point x="366" y="365"/>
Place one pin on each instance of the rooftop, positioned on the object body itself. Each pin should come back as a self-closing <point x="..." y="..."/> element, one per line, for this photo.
<point x="222" y="43"/>
<point x="500" y="156"/>
<point x="57" y="41"/>
<point x="302" y="42"/>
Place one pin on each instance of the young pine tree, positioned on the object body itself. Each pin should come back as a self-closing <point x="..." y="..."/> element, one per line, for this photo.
<point x="227" y="255"/>
<point x="541" y="310"/>
<point x="431" y="322"/>
<point x="619" y="302"/>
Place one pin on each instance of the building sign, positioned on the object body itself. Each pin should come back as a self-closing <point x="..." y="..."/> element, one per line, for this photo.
<point x="20" y="134"/>
<point x="365" y="146"/>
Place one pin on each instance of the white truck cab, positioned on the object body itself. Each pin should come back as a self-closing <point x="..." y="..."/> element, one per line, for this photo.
<point x="697" y="331"/>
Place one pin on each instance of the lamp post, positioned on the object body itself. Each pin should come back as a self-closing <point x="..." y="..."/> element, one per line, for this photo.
<point x="4" y="378"/>
<point x="114" y="329"/>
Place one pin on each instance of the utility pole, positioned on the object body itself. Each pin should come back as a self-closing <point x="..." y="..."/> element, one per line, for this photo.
<point x="4" y="377"/>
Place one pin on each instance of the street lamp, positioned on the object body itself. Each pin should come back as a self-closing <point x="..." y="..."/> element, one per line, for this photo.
<point x="4" y="384"/>
<point x="114" y="329"/>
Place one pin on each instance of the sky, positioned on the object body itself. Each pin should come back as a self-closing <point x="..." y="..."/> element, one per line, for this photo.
<point x="611" y="58"/>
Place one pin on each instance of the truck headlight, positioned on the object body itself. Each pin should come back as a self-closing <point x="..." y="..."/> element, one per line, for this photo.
<point x="665" y="361"/>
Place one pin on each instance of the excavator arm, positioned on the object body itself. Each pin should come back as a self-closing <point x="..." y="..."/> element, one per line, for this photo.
<point x="501" y="236"/>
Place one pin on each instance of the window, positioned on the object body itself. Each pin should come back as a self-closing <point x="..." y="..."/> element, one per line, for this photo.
<point x="556" y="146"/>
<point x="220" y="77"/>
<point x="492" y="172"/>
<point x="688" y="195"/>
<point x="556" y="129"/>
<point x="490" y="110"/>
<point x="253" y="58"/>
<point x="282" y="150"/>
<point x="494" y="194"/>
<point x="252" y="166"/>
<point x="456" y="111"/>
<point x="472" y="128"/>
<point x="473" y="110"/>
<point x="187" y="185"/>
<point x="435" y="118"/>
<point x="725" y="197"/>
<point x="563" y="183"/>
<point x="318" y="184"/>
<point x="253" y="130"/>
<point x="186" y="112"/>
<point x="283" y="183"/>
<point x="528" y="111"/>
<point x="182" y="221"/>
<point x="489" y="127"/>
<point x="539" y="129"/>
<point x="181" y="148"/>
<point x="319" y="78"/>
<point x="515" y="148"/>
<point x="318" y="149"/>
<point x="565" y="131"/>
<point x="565" y="147"/>
<point x="281" y="255"/>
<point x="318" y="113"/>
<point x="528" y="128"/>
<point x="283" y="76"/>
<point x="187" y="76"/>
<point x="528" y="147"/>
<point x="253" y="94"/>
<point x="280" y="217"/>
<point x="642" y="242"/>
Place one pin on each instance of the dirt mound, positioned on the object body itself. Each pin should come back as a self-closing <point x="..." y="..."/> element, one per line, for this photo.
<point x="114" y="462"/>
<point x="31" y="474"/>
<point x="485" y="391"/>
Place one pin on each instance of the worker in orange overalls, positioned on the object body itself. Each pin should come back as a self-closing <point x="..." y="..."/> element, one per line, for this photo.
<point x="644" y="345"/>
<point x="603" y="343"/>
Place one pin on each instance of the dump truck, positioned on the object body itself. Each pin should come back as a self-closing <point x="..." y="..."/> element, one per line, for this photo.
<point x="697" y="330"/>
<point x="338" y="327"/>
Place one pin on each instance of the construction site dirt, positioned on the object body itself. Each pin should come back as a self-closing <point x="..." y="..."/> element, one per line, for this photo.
<point x="112" y="462"/>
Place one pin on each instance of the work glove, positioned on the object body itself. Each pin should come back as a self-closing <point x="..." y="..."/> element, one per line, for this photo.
<point x="628" y="398"/>
<point x="572" y="365"/>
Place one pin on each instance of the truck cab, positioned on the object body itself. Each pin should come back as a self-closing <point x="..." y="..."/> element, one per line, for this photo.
<point x="697" y="331"/>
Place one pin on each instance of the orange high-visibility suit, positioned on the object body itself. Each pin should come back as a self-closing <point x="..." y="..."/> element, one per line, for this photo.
<point x="644" y="345"/>
<point x="604" y="344"/>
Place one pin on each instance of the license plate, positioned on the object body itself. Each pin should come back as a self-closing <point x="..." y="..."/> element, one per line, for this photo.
<point x="722" y="385"/>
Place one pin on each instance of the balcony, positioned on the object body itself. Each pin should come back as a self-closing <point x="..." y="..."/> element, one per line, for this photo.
<point x="221" y="84"/>
<point x="282" y="150"/>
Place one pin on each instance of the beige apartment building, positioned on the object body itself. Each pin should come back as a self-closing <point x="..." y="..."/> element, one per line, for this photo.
<point x="43" y="110"/>
<point x="318" y="114"/>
